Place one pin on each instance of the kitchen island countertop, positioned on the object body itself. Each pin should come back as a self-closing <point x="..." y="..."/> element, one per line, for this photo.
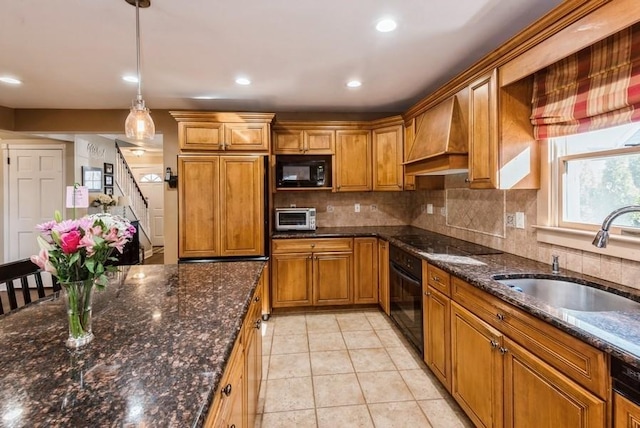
<point x="163" y="336"/>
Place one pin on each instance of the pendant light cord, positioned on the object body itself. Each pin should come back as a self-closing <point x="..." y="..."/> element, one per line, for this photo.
<point x="138" y="49"/>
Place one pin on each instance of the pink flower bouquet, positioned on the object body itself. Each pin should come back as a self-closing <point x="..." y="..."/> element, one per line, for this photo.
<point x="77" y="250"/>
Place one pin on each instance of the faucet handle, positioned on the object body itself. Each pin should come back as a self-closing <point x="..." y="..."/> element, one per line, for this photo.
<point x="555" y="264"/>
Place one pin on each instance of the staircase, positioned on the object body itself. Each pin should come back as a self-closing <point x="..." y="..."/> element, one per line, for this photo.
<point x="139" y="208"/>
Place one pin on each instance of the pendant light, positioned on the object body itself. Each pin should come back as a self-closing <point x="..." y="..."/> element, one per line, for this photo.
<point x="139" y="124"/>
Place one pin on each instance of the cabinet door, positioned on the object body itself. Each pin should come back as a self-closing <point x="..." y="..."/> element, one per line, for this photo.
<point x="200" y="135"/>
<point x="319" y="141"/>
<point x="253" y="353"/>
<point x="483" y="132"/>
<point x="353" y="161"/>
<point x="437" y="335"/>
<point x="626" y="414"/>
<point x="388" y="170"/>
<point x="536" y="395"/>
<point x="477" y="367"/>
<point x="365" y="268"/>
<point x="291" y="280"/>
<point x="198" y="197"/>
<point x="241" y="205"/>
<point x="332" y="273"/>
<point x="409" y="136"/>
<point x="246" y="136"/>
<point x="287" y="142"/>
<point x="383" y="275"/>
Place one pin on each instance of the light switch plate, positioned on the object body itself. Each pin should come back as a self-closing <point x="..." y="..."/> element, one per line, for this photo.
<point x="429" y="208"/>
<point x="356" y="207"/>
<point x="520" y="220"/>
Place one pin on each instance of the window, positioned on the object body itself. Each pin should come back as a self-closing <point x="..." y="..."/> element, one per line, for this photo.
<point x="151" y="178"/>
<point x="596" y="173"/>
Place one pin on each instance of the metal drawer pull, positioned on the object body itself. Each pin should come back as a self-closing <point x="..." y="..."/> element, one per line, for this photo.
<point x="257" y="299"/>
<point x="258" y="324"/>
<point x="494" y="344"/>
<point x="503" y="351"/>
<point x="227" y="390"/>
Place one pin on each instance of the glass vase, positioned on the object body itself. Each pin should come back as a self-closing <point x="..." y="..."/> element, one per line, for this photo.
<point x="78" y="296"/>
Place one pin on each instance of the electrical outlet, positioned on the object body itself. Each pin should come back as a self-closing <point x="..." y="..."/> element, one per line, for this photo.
<point x="520" y="220"/>
<point x="292" y="205"/>
<point x="510" y="219"/>
<point x="356" y="207"/>
<point x="443" y="211"/>
<point x="329" y="208"/>
<point x="429" y="208"/>
<point x="373" y="208"/>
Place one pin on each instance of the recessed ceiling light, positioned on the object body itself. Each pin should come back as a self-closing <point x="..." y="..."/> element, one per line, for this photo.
<point x="386" y="25"/>
<point x="130" y="79"/>
<point x="10" y="80"/>
<point x="243" y="81"/>
<point x="354" y="84"/>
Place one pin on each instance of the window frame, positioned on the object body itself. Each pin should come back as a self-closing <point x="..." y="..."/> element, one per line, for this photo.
<point x="549" y="231"/>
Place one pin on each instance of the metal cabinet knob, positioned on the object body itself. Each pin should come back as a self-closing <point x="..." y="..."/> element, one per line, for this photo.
<point x="467" y="180"/>
<point x="313" y="245"/>
<point x="500" y="317"/>
<point x="227" y="390"/>
<point x="435" y="278"/>
<point x="503" y="350"/>
<point x="257" y="299"/>
<point x="494" y="343"/>
<point x="258" y="324"/>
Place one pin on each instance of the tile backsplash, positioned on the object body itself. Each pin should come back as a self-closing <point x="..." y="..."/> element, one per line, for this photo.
<point x="472" y="215"/>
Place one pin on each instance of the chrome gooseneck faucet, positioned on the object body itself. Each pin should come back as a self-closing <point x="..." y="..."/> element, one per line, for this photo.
<point x="602" y="237"/>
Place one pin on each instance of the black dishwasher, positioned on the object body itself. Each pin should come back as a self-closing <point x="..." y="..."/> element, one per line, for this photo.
<point x="626" y="380"/>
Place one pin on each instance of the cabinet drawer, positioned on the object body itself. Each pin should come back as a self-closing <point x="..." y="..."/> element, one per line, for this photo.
<point x="581" y="362"/>
<point x="437" y="278"/>
<point x="312" y="244"/>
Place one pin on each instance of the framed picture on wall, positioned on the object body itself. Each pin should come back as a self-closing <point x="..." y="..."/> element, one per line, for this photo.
<point x="108" y="168"/>
<point x="92" y="178"/>
<point x="108" y="180"/>
<point x="108" y="191"/>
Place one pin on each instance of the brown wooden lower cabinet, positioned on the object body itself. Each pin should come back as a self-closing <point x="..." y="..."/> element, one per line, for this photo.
<point x="383" y="275"/>
<point x="536" y="395"/>
<point x="477" y="367"/>
<point x="236" y="399"/>
<point x="365" y="270"/>
<point x="312" y="272"/>
<point x="437" y="334"/>
<point x="626" y="414"/>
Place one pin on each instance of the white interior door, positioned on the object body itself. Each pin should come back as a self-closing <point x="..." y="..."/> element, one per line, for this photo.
<point x="35" y="192"/>
<point x="152" y="186"/>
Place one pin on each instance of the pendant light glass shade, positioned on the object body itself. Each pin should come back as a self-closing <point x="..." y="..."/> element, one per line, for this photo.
<point x="139" y="124"/>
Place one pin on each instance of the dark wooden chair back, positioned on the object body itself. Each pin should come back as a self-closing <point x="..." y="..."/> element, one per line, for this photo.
<point x="21" y="271"/>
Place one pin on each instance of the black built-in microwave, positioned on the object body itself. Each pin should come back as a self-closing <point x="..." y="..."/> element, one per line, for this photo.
<point x="303" y="171"/>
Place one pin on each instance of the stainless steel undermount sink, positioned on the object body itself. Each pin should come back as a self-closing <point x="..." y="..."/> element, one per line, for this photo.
<point x="564" y="293"/>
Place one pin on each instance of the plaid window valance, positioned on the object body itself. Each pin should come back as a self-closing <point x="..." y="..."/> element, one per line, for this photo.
<point x="597" y="87"/>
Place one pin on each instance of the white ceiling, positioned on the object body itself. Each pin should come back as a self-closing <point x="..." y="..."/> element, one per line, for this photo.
<point x="298" y="53"/>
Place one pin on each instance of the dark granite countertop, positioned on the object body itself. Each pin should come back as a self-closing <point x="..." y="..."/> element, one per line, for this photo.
<point x="617" y="333"/>
<point x="163" y="335"/>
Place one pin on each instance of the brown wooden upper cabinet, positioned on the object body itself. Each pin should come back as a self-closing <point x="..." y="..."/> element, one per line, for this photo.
<point x="352" y="171"/>
<point x="210" y="131"/>
<point x="388" y="173"/>
<point x="292" y="140"/>
<point x="220" y="206"/>
<point x="502" y="151"/>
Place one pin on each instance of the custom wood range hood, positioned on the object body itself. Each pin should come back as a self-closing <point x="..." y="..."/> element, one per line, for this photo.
<point x="440" y="144"/>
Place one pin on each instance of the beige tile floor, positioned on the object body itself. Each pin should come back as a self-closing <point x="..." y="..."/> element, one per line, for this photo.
<point x="347" y="369"/>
